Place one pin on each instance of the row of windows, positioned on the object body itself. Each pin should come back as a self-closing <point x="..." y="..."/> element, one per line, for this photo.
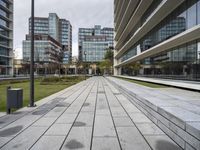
<point x="184" y="17"/>
<point x="4" y="13"/>
<point x="4" y="23"/>
<point x="4" y="32"/>
<point x="4" y="51"/>
<point x="3" y="3"/>
<point x="4" y="61"/>
<point x="182" y="62"/>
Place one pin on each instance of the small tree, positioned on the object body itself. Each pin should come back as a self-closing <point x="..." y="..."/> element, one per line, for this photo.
<point x="107" y="65"/>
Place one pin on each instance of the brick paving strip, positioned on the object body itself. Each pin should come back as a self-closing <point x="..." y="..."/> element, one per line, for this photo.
<point x="93" y="114"/>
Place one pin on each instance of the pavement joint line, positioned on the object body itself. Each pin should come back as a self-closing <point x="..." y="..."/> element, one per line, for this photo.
<point x="131" y="119"/>
<point x="112" y="118"/>
<point x="77" y="115"/>
<point x="59" y="117"/>
<point x="94" y="116"/>
<point x="27" y="126"/>
<point x="129" y="98"/>
<point x="62" y="93"/>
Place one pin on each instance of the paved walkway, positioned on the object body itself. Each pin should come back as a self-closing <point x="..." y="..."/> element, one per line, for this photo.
<point x="90" y="115"/>
<point x="175" y="111"/>
<point x="190" y="85"/>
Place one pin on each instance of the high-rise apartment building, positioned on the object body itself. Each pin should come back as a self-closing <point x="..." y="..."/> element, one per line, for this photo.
<point x="159" y="38"/>
<point x="58" y="29"/>
<point x="6" y="37"/>
<point x="93" y="43"/>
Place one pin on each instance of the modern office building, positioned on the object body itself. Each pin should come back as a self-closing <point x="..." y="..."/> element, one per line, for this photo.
<point x="93" y="43"/>
<point x="46" y="48"/>
<point x="6" y="37"/>
<point x="159" y="38"/>
<point x="59" y="29"/>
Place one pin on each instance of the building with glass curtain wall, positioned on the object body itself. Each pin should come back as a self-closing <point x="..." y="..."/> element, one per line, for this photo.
<point x="59" y="29"/>
<point x="93" y="42"/>
<point x="6" y="37"/>
<point x="159" y="38"/>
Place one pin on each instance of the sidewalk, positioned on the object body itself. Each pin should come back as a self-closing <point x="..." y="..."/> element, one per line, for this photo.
<point x="175" y="111"/>
<point x="90" y="115"/>
<point x="190" y="85"/>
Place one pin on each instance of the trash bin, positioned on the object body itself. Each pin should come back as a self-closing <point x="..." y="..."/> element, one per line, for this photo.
<point x="14" y="98"/>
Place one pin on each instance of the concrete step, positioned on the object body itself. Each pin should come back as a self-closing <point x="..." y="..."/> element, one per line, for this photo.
<point x="180" y="125"/>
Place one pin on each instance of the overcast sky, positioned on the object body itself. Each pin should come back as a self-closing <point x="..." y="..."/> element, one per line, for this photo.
<point x="81" y="13"/>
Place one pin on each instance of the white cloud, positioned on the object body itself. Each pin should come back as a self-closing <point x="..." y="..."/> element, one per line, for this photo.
<point x="81" y="13"/>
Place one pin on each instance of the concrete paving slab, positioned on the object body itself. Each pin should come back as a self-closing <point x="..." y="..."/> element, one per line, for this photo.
<point x="49" y="143"/>
<point x="58" y="130"/>
<point x="123" y="122"/>
<point x="149" y="129"/>
<point x="86" y="117"/>
<point x="67" y="118"/>
<point x="45" y="121"/>
<point x="105" y="143"/>
<point x="78" y="138"/>
<point x="130" y="139"/>
<point x="162" y="142"/>
<point x="194" y="129"/>
<point x="139" y="118"/>
<point x="104" y="126"/>
<point x="26" y="139"/>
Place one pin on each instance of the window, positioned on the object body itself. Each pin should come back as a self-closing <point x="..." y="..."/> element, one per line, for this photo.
<point x="191" y="14"/>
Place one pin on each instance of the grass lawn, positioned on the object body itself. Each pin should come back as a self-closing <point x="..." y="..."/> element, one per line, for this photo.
<point x="151" y="85"/>
<point x="42" y="88"/>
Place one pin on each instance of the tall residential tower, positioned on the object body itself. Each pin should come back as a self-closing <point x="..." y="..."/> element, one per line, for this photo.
<point x="6" y="37"/>
<point x="159" y="38"/>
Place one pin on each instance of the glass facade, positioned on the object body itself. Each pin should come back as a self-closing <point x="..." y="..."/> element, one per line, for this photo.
<point x="94" y="50"/>
<point x="6" y="36"/>
<point x="180" y="62"/>
<point x="43" y="48"/>
<point x="59" y="29"/>
<point x="183" y="18"/>
<point x="96" y="34"/>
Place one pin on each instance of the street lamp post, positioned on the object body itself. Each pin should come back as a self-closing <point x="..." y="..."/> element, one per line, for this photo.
<point x="32" y="57"/>
<point x="85" y="53"/>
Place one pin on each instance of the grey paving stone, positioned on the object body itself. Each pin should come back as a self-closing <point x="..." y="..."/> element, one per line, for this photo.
<point x="86" y="117"/>
<point x="78" y="138"/>
<point x="105" y="143"/>
<point x="26" y="139"/>
<point x="58" y="130"/>
<point x="17" y="126"/>
<point x="66" y="119"/>
<point x="193" y="128"/>
<point x="178" y="115"/>
<point x="139" y="118"/>
<point x="43" y="122"/>
<point x="118" y="112"/>
<point x="130" y="139"/>
<point x="4" y="140"/>
<point x="149" y="129"/>
<point x="123" y="122"/>
<point x="104" y="126"/>
<point x="177" y="138"/>
<point x="162" y="142"/>
<point x="49" y="143"/>
<point x="185" y="136"/>
<point x="57" y="111"/>
<point x="189" y="147"/>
